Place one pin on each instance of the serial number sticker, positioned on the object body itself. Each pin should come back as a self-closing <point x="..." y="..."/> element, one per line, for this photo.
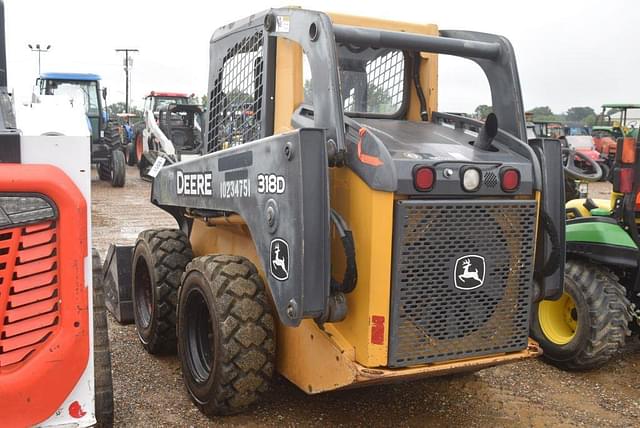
<point x="157" y="166"/>
<point x="282" y="24"/>
<point x="235" y="188"/>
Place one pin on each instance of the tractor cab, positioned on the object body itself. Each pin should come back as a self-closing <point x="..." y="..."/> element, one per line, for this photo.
<point x="81" y="88"/>
<point x="106" y="138"/>
<point x="154" y="100"/>
<point x="615" y="122"/>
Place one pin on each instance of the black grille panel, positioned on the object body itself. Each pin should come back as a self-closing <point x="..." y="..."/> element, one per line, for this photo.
<point x="431" y="319"/>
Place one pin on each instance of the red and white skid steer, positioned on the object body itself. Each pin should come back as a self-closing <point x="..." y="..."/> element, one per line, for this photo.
<point x="55" y="364"/>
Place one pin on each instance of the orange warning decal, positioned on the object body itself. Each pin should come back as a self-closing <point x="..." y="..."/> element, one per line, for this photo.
<point x="365" y="158"/>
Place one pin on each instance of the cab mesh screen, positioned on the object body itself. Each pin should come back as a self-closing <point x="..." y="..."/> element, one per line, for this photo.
<point x="235" y="103"/>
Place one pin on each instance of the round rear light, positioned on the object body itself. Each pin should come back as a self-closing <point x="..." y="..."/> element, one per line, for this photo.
<point x="423" y="178"/>
<point x="510" y="180"/>
<point x="471" y="178"/>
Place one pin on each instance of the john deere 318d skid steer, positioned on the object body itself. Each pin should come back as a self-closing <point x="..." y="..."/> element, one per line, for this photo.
<point x="338" y="228"/>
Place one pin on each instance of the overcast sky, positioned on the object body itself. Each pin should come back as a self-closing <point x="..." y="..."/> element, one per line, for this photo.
<point x="570" y="53"/>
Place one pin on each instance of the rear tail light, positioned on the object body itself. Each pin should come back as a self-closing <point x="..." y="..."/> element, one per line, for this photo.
<point x="471" y="179"/>
<point x="628" y="150"/>
<point x="424" y="178"/>
<point x="509" y="179"/>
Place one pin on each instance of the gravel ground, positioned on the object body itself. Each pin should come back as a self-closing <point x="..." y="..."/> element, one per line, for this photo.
<point x="149" y="392"/>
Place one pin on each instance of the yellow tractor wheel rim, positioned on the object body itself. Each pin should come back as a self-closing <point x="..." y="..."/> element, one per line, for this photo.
<point x="558" y="319"/>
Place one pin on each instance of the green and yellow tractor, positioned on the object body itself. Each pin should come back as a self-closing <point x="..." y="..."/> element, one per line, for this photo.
<point x="599" y="308"/>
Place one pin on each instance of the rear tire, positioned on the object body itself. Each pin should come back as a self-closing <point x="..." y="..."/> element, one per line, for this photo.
<point x="104" y="171"/>
<point x="159" y="260"/>
<point x="226" y="334"/>
<point x="588" y="325"/>
<point x="101" y="349"/>
<point x="118" y="169"/>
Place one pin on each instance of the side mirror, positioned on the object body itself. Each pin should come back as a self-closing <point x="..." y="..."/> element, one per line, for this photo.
<point x="104" y="93"/>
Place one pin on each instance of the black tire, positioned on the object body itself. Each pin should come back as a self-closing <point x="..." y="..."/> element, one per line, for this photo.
<point x="226" y="334"/>
<point x="118" y="168"/>
<point x="160" y="257"/>
<point x="101" y="350"/>
<point x="130" y="154"/>
<point x="601" y="315"/>
<point x="104" y="171"/>
<point x="606" y="171"/>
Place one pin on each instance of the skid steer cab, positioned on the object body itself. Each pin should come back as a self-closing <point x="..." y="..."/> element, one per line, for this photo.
<point x="55" y="365"/>
<point x="339" y="229"/>
<point x="83" y="90"/>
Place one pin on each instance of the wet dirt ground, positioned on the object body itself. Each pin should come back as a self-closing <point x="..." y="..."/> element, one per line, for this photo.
<point x="148" y="390"/>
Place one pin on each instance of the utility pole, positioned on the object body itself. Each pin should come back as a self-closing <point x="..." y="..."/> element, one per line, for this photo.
<point x="39" y="50"/>
<point x="127" y="64"/>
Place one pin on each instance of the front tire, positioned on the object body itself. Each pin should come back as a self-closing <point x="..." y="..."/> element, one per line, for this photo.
<point x="159" y="259"/>
<point x="588" y="324"/>
<point x="226" y="334"/>
<point x="101" y="349"/>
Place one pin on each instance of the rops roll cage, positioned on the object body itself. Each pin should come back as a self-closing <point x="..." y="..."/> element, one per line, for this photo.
<point x="318" y="36"/>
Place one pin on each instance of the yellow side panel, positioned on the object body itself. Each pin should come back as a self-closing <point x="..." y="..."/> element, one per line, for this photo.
<point x="369" y="213"/>
<point x="289" y="88"/>
<point x="311" y="359"/>
<point x="224" y="239"/>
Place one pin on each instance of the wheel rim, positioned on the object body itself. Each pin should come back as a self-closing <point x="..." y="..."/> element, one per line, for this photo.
<point x="199" y="336"/>
<point x="139" y="146"/>
<point x="558" y="319"/>
<point x="143" y="293"/>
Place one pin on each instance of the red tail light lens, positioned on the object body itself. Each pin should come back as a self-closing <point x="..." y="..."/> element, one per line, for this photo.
<point x="510" y="180"/>
<point x="629" y="150"/>
<point x="626" y="180"/>
<point x="424" y="178"/>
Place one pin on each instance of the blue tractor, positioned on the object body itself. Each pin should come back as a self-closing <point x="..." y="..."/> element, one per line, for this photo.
<point x="106" y="140"/>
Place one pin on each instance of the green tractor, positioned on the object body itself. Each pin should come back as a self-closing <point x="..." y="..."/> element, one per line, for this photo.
<point x="599" y="307"/>
<point x="107" y="149"/>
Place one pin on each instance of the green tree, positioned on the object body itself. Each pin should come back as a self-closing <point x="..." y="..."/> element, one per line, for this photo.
<point x="579" y="114"/>
<point x="482" y="111"/>
<point x="544" y="113"/>
<point x="119" y="107"/>
<point x="116" y="108"/>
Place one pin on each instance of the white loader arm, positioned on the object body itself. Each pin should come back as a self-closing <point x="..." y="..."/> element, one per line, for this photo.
<point x="152" y="126"/>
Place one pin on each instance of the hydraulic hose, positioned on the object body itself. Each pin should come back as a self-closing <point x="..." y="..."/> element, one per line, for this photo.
<point x="350" y="277"/>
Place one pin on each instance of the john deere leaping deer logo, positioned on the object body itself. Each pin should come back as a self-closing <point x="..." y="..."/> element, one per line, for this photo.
<point x="279" y="259"/>
<point x="469" y="272"/>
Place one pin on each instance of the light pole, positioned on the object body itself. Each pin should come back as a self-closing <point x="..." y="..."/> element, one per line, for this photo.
<point x="39" y="50"/>
<point x="127" y="64"/>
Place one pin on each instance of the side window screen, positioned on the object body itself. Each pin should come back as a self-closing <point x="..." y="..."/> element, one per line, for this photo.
<point x="372" y="80"/>
<point x="236" y="99"/>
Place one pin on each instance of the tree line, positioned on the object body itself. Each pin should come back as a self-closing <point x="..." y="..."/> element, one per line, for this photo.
<point x="584" y="115"/>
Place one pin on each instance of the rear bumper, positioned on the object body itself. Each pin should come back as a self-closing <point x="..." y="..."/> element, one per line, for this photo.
<point x="366" y="376"/>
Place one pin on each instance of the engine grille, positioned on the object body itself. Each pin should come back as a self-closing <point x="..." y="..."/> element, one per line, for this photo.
<point x="431" y="319"/>
<point x="29" y="301"/>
